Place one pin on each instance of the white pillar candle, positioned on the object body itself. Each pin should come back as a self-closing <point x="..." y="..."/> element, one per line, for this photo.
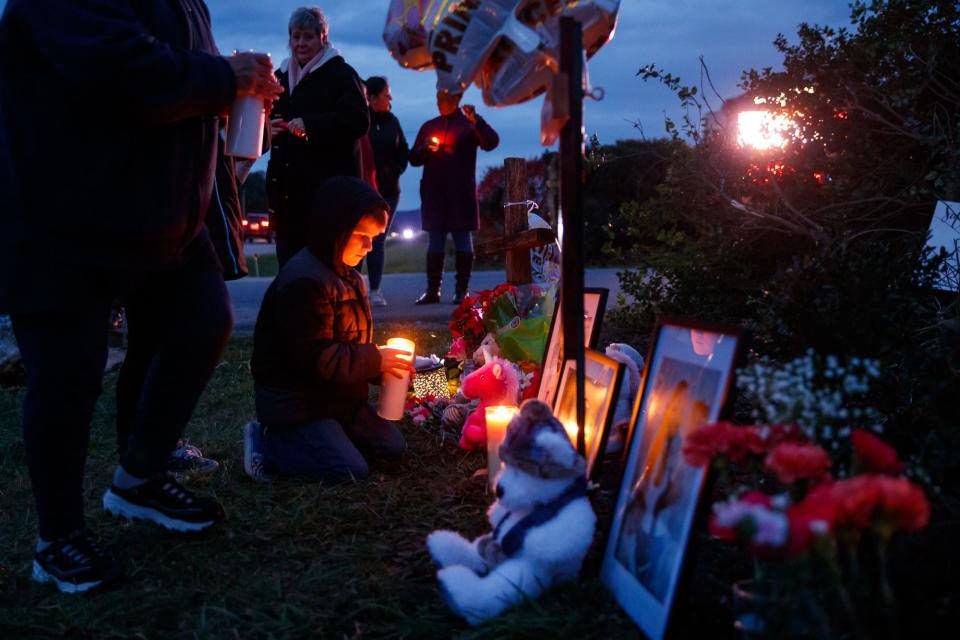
<point x="498" y="418"/>
<point x="393" y="391"/>
<point x="245" y="128"/>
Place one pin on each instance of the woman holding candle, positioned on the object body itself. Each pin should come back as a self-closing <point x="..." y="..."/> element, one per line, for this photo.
<point x="313" y="356"/>
<point x="316" y="127"/>
<point x="446" y="148"/>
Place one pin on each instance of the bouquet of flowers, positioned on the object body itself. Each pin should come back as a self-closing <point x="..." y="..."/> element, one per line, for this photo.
<point x="815" y="539"/>
<point x="426" y="410"/>
<point x="518" y="317"/>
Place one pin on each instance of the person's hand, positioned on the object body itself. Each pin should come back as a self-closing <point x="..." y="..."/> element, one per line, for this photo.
<point x="433" y="143"/>
<point x="470" y="112"/>
<point x="254" y="75"/>
<point x="395" y="362"/>
<point x="297" y="127"/>
<point x="277" y="127"/>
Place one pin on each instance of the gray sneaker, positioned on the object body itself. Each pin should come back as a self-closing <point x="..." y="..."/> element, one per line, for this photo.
<point x="377" y="299"/>
<point x="252" y="457"/>
<point x="186" y="459"/>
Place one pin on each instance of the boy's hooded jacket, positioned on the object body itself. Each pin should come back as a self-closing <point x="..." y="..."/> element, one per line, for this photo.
<point x="313" y="355"/>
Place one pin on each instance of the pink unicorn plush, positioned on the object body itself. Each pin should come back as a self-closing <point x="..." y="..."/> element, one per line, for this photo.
<point x="496" y="382"/>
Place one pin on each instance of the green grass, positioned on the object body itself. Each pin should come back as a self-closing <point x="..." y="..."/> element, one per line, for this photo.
<point x="293" y="560"/>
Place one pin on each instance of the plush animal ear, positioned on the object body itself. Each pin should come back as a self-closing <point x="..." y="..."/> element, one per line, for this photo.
<point x="497" y="371"/>
<point x="558" y="446"/>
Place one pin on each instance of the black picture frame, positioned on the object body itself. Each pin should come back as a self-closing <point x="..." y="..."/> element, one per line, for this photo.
<point x="551" y="367"/>
<point x="603" y="377"/>
<point x="689" y="372"/>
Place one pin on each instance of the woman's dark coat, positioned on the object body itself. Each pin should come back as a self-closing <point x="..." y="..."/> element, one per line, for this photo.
<point x="389" y="150"/>
<point x="110" y="117"/>
<point x="333" y="106"/>
<point x="313" y="352"/>
<point x="448" y="188"/>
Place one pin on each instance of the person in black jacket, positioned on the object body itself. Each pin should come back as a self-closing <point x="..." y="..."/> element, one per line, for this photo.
<point x="446" y="148"/>
<point x="313" y="355"/>
<point x="390" y="156"/>
<point x="316" y="126"/>
<point x="124" y="220"/>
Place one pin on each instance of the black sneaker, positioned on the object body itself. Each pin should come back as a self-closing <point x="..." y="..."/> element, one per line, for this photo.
<point x="75" y="563"/>
<point x="165" y="501"/>
<point x="187" y="460"/>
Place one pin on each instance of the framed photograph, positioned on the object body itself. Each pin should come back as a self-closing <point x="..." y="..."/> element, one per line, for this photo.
<point x="594" y="305"/>
<point x="602" y="379"/>
<point x="689" y="371"/>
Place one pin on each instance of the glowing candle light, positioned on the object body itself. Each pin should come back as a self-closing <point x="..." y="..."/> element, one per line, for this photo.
<point x="498" y="418"/>
<point x="393" y="391"/>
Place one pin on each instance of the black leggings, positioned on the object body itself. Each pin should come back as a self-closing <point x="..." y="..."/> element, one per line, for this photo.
<point x="182" y="318"/>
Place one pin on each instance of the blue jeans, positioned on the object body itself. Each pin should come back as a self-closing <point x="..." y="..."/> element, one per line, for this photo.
<point x="462" y="241"/>
<point x="325" y="450"/>
<point x="376" y="256"/>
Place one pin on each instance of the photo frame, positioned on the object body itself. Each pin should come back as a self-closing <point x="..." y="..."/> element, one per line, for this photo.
<point x="685" y="384"/>
<point x="602" y="377"/>
<point x="594" y="306"/>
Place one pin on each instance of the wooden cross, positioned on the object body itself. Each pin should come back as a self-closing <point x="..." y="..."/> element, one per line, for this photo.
<point x="518" y="238"/>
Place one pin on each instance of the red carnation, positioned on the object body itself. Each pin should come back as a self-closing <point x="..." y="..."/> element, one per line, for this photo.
<point x="873" y="454"/>
<point x="810" y="518"/>
<point x="886" y="503"/>
<point x="791" y="461"/>
<point x="720" y="439"/>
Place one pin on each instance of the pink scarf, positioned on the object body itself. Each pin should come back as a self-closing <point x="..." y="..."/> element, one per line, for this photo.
<point x="296" y="73"/>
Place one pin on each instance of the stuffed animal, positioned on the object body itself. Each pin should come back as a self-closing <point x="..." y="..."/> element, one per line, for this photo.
<point x="623" y="410"/>
<point x="496" y="382"/>
<point x="542" y="522"/>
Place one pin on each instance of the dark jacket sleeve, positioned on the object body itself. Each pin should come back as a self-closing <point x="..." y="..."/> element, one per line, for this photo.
<point x="306" y="320"/>
<point x="418" y="154"/>
<point x="487" y="138"/>
<point x="350" y="117"/>
<point x="88" y="41"/>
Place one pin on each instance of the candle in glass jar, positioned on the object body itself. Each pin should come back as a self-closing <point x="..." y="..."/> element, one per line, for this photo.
<point x="393" y="391"/>
<point x="498" y="418"/>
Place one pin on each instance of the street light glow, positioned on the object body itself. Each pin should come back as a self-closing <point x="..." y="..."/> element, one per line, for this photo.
<point x="408" y="234"/>
<point x="762" y="130"/>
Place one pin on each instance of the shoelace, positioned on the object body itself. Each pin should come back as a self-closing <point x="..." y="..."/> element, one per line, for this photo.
<point x="76" y="555"/>
<point x="178" y="492"/>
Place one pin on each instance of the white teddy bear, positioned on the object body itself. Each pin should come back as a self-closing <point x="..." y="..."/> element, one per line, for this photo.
<point x="542" y="522"/>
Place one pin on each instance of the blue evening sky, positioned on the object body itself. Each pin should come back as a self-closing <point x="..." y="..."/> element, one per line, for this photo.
<point x="732" y="36"/>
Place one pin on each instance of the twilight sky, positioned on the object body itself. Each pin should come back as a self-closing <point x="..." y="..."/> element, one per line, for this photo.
<point x="732" y="36"/>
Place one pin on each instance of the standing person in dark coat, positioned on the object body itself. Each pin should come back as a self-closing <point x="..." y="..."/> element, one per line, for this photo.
<point x="313" y="352"/>
<point x="317" y="125"/>
<point x="125" y="220"/>
<point x="390" y="151"/>
<point x="223" y="223"/>
<point x="446" y="147"/>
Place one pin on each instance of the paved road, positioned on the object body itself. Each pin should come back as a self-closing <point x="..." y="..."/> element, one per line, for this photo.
<point x="401" y="290"/>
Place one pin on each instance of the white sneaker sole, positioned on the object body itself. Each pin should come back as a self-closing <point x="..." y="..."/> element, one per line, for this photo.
<point x="120" y="508"/>
<point x="40" y="575"/>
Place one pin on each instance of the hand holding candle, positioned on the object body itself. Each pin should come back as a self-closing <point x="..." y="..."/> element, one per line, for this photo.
<point x="396" y="363"/>
<point x="433" y="144"/>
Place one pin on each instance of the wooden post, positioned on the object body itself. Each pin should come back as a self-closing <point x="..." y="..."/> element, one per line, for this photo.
<point x="515" y="221"/>
<point x="518" y="238"/>
<point x="571" y="203"/>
